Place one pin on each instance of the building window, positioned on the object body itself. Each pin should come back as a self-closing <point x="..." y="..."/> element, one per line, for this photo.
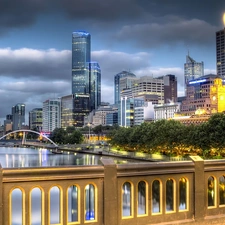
<point x="222" y="190"/>
<point x="183" y="191"/>
<point x="90" y="199"/>
<point x="142" y="198"/>
<point x="170" y="195"/>
<point x="36" y="206"/>
<point x="72" y="197"/>
<point x="17" y="206"/>
<point x="55" y="205"/>
<point x="126" y="199"/>
<point x="211" y="191"/>
<point x="156" y="196"/>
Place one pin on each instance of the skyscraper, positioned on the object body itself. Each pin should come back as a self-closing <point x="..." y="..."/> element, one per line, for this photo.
<point x="117" y="88"/>
<point x="51" y="117"/>
<point x="220" y="53"/>
<point x="35" y="119"/>
<point x="192" y="70"/>
<point x="18" y="116"/>
<point x="86" y="77"/>
<point x="95" y="85"/>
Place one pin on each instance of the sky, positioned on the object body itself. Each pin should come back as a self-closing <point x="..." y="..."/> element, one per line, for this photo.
<point x="145" y="37"/>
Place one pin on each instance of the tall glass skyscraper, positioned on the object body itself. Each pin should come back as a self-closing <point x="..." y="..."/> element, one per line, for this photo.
<point x="192" y="70"/>
<point x="95" y="85"/>
<point x="86" y="77"/>
<point x="117" y="88"/>
<point x="81" y="56"/>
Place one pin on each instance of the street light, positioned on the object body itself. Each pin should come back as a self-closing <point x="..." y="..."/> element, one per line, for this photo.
<point x="89" y="133"/>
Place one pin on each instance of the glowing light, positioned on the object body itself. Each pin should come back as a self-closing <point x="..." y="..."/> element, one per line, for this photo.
<point x="224" y="19"/>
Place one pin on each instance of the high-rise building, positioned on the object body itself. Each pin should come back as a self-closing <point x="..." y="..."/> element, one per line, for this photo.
<point x="117" y="88"/>
<point x="95" y="85"/>
<point x="35" y="119"/>
<point x="147" y="85"/>
<point x="220" y="52"/>
<point x="51" y="117"/>
<point x="198" y="95"/>
<point x="18" y="116"/>
<point x="86" y="77"/>
<point x="170" y="88"/>
<point x="192" y="70"/>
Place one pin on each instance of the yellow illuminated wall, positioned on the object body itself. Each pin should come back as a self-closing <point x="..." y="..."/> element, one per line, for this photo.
<point x="217" y="96"/>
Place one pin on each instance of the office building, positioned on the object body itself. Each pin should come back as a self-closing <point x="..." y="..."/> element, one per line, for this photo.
<point x="86" y="77"/>
<point x="51" y="115"/>
<point x="18" y="116"/>
<point x="95" y="85"/>
<point x="117" y="89"/>
<point x="198" y="95"/>
<point x="143" y="113"/>
<point x="192" y="70"/>
<point x="170" y="88"/>
<point x="35" y="119"/>
<point x="220" y="53"/>
<point x="150" y="86"/>
<point x="166" y="111"/>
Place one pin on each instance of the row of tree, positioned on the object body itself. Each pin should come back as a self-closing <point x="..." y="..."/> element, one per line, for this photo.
<point x="171" y="137"/>
<point x="69" y="136"/>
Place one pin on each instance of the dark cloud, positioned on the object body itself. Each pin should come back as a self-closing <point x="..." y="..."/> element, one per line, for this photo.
<point x="20" y="13"/>
<point x="31" y="63"/>
<point x="173" y="31"/>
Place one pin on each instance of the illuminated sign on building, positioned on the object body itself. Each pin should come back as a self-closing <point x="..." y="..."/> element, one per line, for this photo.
<point x="197" y="81"/>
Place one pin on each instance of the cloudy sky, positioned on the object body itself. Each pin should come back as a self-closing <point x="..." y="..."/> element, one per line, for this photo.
<point x="147" y="37"/>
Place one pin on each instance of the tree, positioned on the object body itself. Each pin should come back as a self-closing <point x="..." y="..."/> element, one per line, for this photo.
<point x="58" y="135"/>
<point x="75" y="138"/>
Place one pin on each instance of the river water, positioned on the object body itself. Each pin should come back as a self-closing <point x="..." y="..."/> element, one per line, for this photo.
<point x="12" y="157"/>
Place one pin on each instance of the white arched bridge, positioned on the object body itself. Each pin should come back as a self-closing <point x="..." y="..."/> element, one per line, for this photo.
<point x="24" y="136"/>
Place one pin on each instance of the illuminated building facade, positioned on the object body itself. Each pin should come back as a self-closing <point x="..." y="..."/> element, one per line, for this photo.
<point x="192" y="70"/>
<point x="18" y="116"/>
<point x="198" y="95"/>
<point x="67" y="111"/>
<point x="147" y="85"/>
<point x="95" y="85"/>
<point x="217" y="96"/>
<point x="220" y="52"/>
<point x="86" y="77"/>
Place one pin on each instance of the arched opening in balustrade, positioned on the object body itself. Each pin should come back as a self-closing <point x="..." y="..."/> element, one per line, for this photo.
<point x="142" y="198"/>
<point x="127" y="206"/>
<point x="55" y="195"/>
<point x="17" y="203"/>
<point x="90" y="202"/>
<point x="222" y="190"/>
<point x="156" y="197"/>
<point x="73" y="203"/>
<point x="36" y="206"/>
<point x="170" y="195"/>
<point x="183" y="194"/>
<point x="211" y="189"/>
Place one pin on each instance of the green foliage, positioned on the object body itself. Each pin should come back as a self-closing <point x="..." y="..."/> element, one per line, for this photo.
<point x="68" y="136"/>
<point x="173" y="138"/>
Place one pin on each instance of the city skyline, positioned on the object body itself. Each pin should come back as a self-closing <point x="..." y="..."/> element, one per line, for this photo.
<point x="146" y="38"/>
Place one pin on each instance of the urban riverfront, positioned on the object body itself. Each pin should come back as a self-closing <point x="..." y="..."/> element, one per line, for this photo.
<point x="184" y="192"/>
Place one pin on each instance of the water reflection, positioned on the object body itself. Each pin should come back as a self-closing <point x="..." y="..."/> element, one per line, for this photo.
<point x="16" y="207"/>
<point x="36" y="214"/>
<point x="27" y="157"/>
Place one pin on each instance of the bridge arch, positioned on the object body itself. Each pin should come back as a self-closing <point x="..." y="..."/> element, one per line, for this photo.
<point x="30" y="131"/>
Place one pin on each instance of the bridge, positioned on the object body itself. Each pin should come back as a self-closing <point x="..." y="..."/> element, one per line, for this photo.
<point x="24" y="142"/>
